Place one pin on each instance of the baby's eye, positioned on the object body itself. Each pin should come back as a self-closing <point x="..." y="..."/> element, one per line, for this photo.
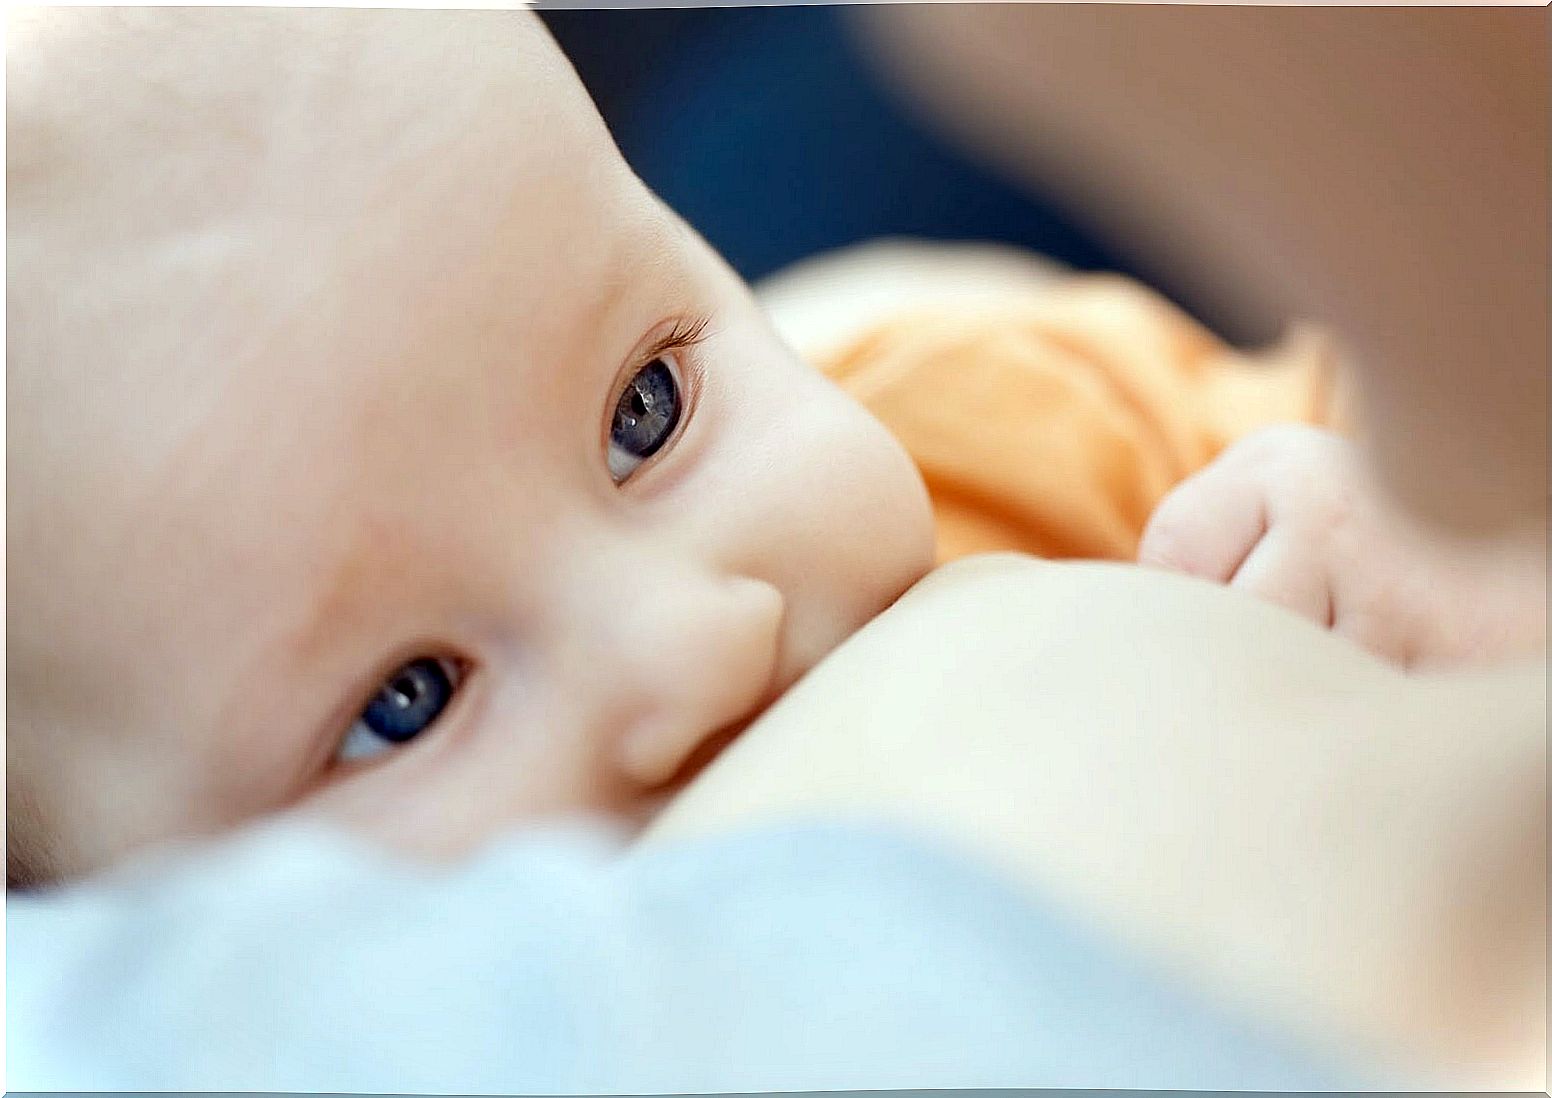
<point x="645" y="417"/>
<point x="405" y="706"/>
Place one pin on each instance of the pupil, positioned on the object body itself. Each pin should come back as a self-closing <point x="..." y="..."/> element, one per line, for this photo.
<point x="638" y="402"/>
<point x="410" y="701"/>
<point x="406" y="690"/>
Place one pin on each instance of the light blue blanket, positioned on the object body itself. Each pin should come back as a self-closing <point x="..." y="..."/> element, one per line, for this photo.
<point x="801" y="958"/>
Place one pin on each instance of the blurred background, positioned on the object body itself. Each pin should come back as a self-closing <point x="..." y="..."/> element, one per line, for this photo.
<point x="776" y="134"/>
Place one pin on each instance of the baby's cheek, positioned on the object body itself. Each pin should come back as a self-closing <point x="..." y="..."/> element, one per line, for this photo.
<point x="468" y="784"/>
<point x="379" y="805"/>
<point x="818" y="497"/>
<point x="894" y="496"/>
<point x="406" y="805"/>
<point x="879" y="531"/>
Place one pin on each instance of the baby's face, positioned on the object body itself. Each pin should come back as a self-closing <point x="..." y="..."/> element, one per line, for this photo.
<point x="482" y="492"/>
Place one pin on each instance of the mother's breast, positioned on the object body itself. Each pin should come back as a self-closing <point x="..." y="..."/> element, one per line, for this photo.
<point x="1218" y="783"/>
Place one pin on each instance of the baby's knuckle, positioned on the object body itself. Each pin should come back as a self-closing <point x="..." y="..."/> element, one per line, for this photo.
<point x="1166" y="550"/>
<point x="1171" y="536"/>
<point x="1174" y="507"/>
<point x="1181" y="508"/>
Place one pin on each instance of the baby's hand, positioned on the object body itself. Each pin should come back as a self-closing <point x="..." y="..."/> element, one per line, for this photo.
<point x="1290" y="514"/>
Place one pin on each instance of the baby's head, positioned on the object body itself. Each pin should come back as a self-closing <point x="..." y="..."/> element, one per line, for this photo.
<point x="380" y="445"/>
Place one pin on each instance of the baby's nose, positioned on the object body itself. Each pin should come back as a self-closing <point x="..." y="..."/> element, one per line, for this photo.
<point x="680" y="657"/>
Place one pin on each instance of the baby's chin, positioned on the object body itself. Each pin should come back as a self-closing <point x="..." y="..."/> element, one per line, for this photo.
<point x="709" y="751"/>
<point x="696" y="764"/>
<point x="702" y="762"/>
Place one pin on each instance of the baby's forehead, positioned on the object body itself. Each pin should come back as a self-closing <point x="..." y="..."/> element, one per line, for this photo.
<point x="279" y="106"/>
<point x="197" y="194"/>
<point x="177" y="177"/>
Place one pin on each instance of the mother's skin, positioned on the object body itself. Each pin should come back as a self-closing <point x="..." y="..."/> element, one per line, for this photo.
<point x="1352" y="853"/>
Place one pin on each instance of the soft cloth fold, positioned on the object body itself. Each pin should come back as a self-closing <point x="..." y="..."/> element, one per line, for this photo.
<point x="1055" y="423"/>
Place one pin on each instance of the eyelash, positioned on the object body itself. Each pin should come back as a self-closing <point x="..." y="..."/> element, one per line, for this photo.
<point x="685" y="333"/>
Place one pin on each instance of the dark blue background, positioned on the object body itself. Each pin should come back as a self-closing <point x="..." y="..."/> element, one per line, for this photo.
<point x="766" y="130"/>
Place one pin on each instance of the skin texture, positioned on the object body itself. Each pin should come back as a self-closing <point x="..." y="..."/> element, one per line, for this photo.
<point x="294" y="404"/>
<point x="1269" y="814"/>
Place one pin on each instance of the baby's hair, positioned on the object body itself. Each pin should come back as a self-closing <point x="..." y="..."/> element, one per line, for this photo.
<point x="21" y="873"/>
<point x="27" y="861"/>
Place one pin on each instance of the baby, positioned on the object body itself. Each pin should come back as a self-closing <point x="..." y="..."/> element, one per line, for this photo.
<point x="381" y="448"/>
<point x="381" y="443"/>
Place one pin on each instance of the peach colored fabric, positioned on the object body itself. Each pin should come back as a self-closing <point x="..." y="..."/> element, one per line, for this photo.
<point x="1054" y="425"/>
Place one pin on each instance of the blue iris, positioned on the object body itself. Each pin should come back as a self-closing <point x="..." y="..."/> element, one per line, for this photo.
<point x="644" y="418"/>
<point x="410" y="701"/>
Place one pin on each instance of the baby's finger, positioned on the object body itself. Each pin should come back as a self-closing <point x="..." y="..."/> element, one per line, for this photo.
<point x="1282" y="569"/>
<point x="1207" y="525"/>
